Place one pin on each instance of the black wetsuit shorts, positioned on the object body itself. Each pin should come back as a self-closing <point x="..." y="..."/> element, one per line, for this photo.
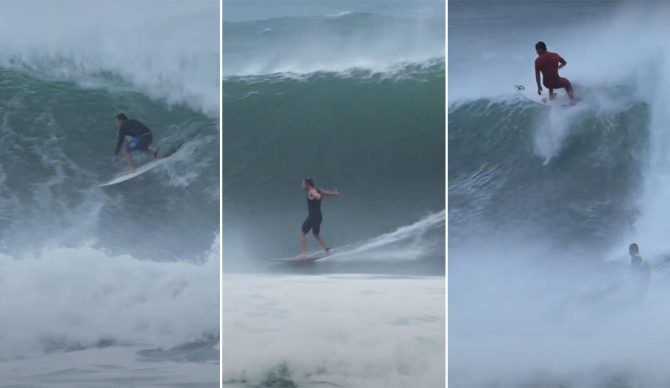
<point x="313" y="223"/>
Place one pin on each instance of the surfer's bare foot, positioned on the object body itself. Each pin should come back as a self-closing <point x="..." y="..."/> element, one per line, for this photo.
<point x="328" y="250"/>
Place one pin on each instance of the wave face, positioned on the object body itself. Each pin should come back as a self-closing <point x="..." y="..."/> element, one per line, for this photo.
<point x="377" y="137"/>
<point x="567" y="175"/>
<point x="86" y="267"/>
<point x="353" y="98"/>
<point x="544" y="202"/>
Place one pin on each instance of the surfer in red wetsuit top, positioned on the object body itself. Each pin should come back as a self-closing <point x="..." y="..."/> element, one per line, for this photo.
<point x="548" y="64"/>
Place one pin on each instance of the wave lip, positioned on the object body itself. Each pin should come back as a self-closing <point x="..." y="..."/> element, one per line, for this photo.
<point x="337" y="43"/>
<point x="420" y="71"/>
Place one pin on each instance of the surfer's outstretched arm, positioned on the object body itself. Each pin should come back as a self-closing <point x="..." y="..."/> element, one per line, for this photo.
<point x="327" y="193"/>
<point x="537" y="79"/>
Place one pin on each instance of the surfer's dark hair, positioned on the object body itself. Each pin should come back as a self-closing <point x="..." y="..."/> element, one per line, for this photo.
<point x="309" y="181"/>
<point x="634" y="247"/>
<point x="122" y="117"/>
<point x="540" y="46"/>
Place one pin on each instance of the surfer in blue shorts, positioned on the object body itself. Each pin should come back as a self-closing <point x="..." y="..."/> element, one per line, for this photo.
<point x="314" y="216"/>
<point x="141" y="138"/>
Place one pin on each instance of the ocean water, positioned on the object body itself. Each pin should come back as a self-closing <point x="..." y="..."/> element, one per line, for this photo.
<point x="351" y="94"/>
<point x="544" y="202"/>
<point x="102" y="287"/>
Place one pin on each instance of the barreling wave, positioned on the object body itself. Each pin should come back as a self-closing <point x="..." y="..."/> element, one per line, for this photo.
<point x="59" y="139"/>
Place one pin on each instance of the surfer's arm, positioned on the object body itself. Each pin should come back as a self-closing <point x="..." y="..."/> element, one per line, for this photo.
<point x="561" y="62"/>
<point x="330" y="193"/>
<point x="119" y="142"/>
<point x="314" y="194"/>
<point x="537" y="79"/>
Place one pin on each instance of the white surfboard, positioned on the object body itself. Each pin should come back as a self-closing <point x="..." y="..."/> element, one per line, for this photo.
<point x="310" y="258"/>
<point x="138" y="171"/>
<point x="560" y="100"/>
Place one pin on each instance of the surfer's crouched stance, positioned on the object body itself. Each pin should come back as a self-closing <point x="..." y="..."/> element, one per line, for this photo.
<point x="141" y="139"/>
<point x="548" y="64"/>
<point x="314" y="217"/>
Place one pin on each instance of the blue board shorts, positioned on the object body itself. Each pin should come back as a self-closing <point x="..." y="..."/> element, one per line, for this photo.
<point x="140" y="143"/>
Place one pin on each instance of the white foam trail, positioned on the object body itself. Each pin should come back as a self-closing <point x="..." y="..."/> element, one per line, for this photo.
<point x="412" y="233"/>
<point x="554" y="128"/>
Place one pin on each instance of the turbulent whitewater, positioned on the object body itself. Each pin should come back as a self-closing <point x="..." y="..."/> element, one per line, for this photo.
<point x="544" y="202"/>
<point x="108" y="275"/>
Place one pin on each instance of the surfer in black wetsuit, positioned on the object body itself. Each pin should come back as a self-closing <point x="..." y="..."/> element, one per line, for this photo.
<point x="141" y="139"/>
<point x="314" y="217"/>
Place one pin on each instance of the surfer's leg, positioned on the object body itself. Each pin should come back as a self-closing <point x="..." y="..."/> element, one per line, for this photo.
<point x="316" y="231"/>
<point x="129" y="160"/>
<point x="323" y="243"/>
<point x="303" y="245"/>
<point x="144" y="143"/>
<point x="306" y="226"/>
<point x="565" y="84"/>
<point x="551" y="93"/>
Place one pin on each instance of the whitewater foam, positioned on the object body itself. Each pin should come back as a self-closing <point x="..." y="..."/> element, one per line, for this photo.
<point x="169" y="52"/>
<point x="344" y="330"/>
<point x="73" y="298"/>
<point x="337" y="43"/>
